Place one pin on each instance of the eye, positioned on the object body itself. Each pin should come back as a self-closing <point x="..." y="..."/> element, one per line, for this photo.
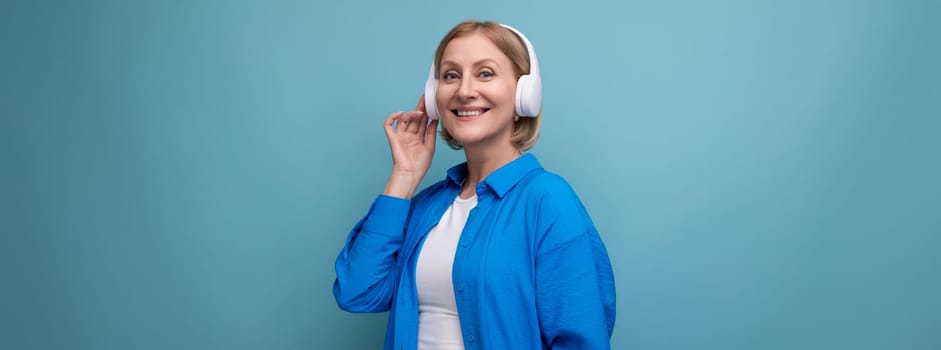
<point x="450" y="75"/>
<point x="486" y="74"/>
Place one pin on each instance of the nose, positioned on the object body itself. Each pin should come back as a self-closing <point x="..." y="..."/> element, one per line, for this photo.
<point x="467" y="90"/>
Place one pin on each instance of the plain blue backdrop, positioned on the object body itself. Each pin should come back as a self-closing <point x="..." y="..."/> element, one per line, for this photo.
<point x="182" y="174"/>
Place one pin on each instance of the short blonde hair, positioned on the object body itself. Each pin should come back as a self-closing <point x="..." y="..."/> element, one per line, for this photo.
<point x="525" y="129"/>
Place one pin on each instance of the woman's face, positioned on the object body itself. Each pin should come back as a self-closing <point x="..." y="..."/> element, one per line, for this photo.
<point x="476" y="92"/>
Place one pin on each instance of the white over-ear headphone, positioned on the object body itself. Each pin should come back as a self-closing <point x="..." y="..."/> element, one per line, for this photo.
<point x="528" y="87"/>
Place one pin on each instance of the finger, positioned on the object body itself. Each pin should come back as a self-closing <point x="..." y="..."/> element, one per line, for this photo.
<point x="390" y="124"/>
<point x="421" y="104"/>
<point x="431" y="134"/>
<point x="414" y="122"/>
<point x="422" y="124"/>
<point x="422" y="120"/>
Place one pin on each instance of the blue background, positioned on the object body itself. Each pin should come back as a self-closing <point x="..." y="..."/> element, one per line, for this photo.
<point x="181" y="174"/>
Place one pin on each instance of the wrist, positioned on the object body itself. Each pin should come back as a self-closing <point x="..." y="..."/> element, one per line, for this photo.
<point x="401" y="186"/>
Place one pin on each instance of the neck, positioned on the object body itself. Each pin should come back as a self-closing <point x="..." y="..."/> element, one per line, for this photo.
<point x="483" y="161"/>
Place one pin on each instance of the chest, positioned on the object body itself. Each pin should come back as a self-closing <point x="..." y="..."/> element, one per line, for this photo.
<point x="495" y="249"/>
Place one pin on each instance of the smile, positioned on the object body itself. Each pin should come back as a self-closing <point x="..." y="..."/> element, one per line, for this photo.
<point x="470" y="113"/>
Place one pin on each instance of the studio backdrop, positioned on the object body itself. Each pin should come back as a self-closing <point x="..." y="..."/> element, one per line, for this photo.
<point x="182" y="174"/>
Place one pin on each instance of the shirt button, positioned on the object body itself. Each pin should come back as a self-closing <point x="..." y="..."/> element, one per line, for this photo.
<point x="460" y="287"/>
<point x="470" y="338"/>
<point x="464" y="244"/>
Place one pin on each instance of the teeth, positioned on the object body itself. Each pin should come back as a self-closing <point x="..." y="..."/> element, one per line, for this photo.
<point x="469" y="113"/>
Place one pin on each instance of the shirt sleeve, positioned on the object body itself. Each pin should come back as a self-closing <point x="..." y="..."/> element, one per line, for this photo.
<point x="575" y="292"/>
<point x="366" y="266"/>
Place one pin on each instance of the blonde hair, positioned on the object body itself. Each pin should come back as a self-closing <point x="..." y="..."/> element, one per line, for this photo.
<point x="525" y="129"/>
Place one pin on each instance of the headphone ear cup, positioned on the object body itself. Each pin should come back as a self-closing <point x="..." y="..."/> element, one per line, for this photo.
<point x="529" y="86"/>
<point x="528" y="95"/>
<point x="431" y="90"/>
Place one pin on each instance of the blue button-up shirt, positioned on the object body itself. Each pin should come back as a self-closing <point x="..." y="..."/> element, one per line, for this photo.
<point x="530" y="271"/>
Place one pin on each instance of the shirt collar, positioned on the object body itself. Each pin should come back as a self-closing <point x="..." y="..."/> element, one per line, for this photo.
<point x="500" y="181"/>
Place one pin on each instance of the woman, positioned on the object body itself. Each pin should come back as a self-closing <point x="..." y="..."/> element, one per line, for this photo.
<point x="501" y="254"/>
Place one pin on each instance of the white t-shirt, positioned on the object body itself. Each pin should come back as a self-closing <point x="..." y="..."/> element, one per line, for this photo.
<point x="438" y="325"/>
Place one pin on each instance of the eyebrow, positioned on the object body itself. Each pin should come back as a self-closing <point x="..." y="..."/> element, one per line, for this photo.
<point x="445" y="63"/>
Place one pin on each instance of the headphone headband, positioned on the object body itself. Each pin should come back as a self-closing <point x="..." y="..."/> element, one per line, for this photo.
<point x="530" y="51"/>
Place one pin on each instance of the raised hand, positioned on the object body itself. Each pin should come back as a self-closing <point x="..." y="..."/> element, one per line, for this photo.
<point x="412" y="141"/>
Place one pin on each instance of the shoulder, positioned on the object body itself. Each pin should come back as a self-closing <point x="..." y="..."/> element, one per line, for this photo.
<point x="438" y="188"/>
<point x="431" y="190"/>
<point x="560" y="216"/>
<point x="550" y="190"/>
